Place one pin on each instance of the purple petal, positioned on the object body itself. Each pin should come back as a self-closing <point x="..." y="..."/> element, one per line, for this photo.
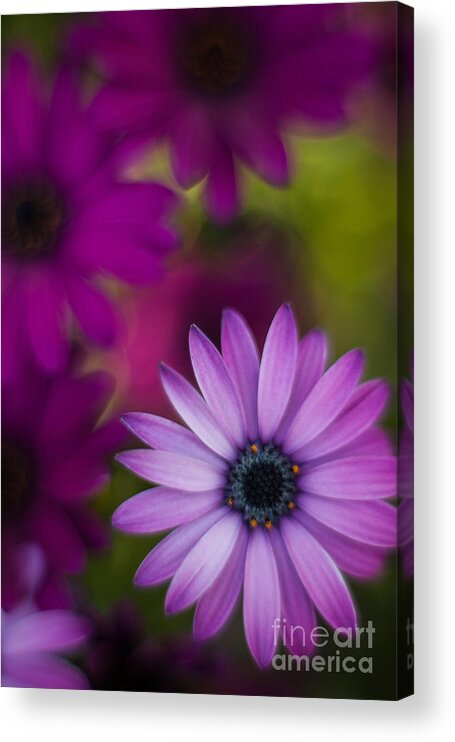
<point x="217" y="386"/>
<point x="358" y="559"/>
<point x="277" y="371"/>
<point x="46" y="631"/>
<point x="325" y="401"/>
<point x="166" y="435"/>
<point x="164" y="560"/>
<point x="374" y="442"/>
<point x="161" y="507"/>
<point x="407" y="402"/>
<point x="366" y="405"/>
<point x="405" y="517"/>
<point x="261" y="597"/>
<point x="260" y="146"/>
<point x="320" y="575"/>
<point x="217" y="603"/>
<point x="195" y="412"/>
<point x="42" y="670"/>
<point x="172" y="470"/>
<point x="54" y="530"/>
<point x="192" y="142"/>
<point x="93" y="312"/>
<point x="221" y="192"/>
<point x="353" y="478"/>
<point x="22" y="113"/>
<point x="45" y="307"/>
<point x="296" y="606"/>
<point x="311" y="361"/>
<point x="204" y="563"/>
<point x="242" y="359"/>
<point x="371" y="522"/>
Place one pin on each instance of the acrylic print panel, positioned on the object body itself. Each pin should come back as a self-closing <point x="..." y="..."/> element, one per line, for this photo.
<point x="207" y="262"/>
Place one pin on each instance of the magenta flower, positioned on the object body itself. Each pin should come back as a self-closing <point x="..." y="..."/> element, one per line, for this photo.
<point x="219" y="85"/>
<point x="278" y="482"/>
<point x="54" y="458"/>
<point x="405" y="515"/>
<point x="66" y="219"/>
<point x="33" y="641"/>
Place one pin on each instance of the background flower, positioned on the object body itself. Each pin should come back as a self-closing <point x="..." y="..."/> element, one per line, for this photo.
<point x="220" y="84"/>
<point x="54" y="458"/>
<point x="254" y="258"/>
<point x="33" y="641"/>
<point x="67" y="218"/>
<point x="279" y="481"/>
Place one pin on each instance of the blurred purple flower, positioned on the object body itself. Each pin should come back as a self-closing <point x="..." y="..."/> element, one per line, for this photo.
<point x="220" y="84"/>
<point x="406" y="478"/>
<point x="278" y="482"/>
<point x="222" y="270"/>
<point x="66" y="219"/>
<point x="54" y="457"/>
<point x="33" y="641"/>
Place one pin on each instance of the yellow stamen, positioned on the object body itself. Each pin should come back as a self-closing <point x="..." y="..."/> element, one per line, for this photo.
<point x="268" y="523"/>
<point x="231" y="502"/>
<point x="291" y="505"/>
<point x="295" y="469"/>
<point x="254" y="448"/>
<point x="253" y="522"/>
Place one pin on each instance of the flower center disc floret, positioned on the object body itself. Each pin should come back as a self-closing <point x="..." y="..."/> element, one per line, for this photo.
<point x="261" y="484"/>
<point x="31" y="219"/>
<point x="216" y="58"/>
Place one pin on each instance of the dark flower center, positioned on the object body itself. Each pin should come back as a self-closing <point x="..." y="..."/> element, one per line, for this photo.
<point x="216" y="58"/>
<point x="16" y="479"/>
<point x="261" y="484"/>
<point x="32" y="216"/>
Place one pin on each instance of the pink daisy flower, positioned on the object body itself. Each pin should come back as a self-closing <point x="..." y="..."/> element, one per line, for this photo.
<point x="219" y="85"/>
<point x="277" y="485"/>
<point x="66" y="218"/>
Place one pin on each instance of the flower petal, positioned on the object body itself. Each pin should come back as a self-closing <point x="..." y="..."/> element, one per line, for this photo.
<point x="192" y="142"/>
<point x="216" y="385"/>
<point x="311" y="361"/>
<point x="164" y="560"/>
<point x="325" y="401"/>
<point x="217" y="603"/>
<point x="172" y="470"/>
<point x="161" y="507"/>
<point x="242" y="359"/>
<point x="204" y="563"/>
<point x="221" y="193"/>
<point x="93" y="312"/>
<point x="366" y="405"/>
<point x="195" y="412"/>
<point x="277" y="371"/>
<point x="42" y="670"/>
<point x="296" y="606"/>
<point x="261" y="597"/>
<point x="45" y="308"/>
<point x="166" y="435"/>
<point x="371" y="522"/>
<point x="353" y="478"/>
<point x="354" y="557"/>
<point x="320" y="575"/>
<point x="46" y="631"/>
